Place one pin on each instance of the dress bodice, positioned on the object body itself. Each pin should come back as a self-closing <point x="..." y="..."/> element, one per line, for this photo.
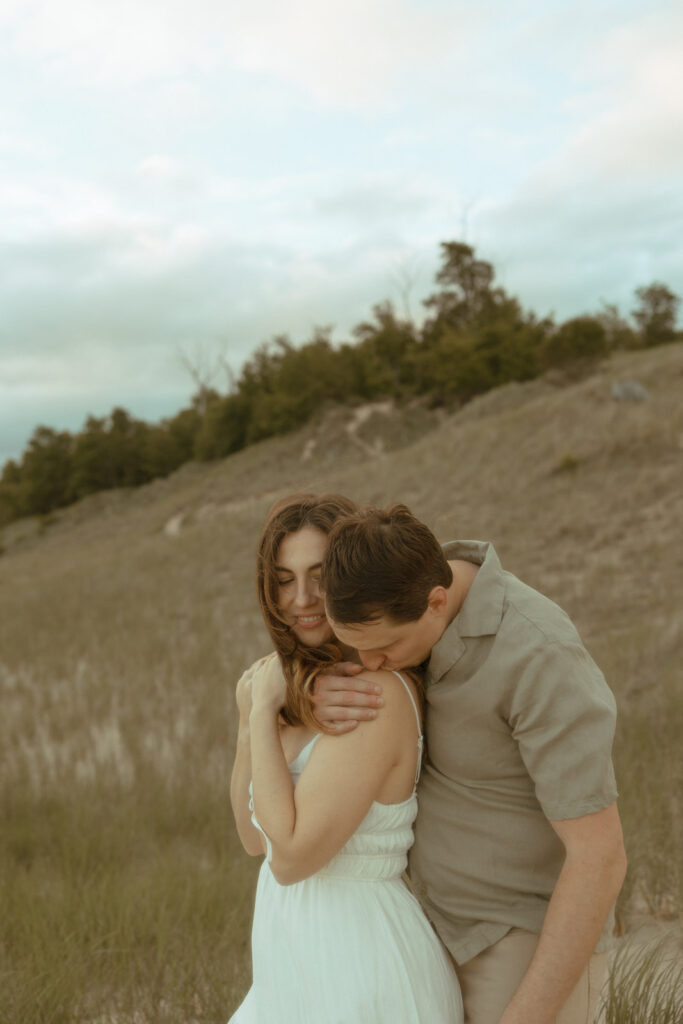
<point x="378" y="849"/>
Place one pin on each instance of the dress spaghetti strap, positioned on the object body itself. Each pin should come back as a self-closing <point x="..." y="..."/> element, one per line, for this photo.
<point x="420" y="738"/>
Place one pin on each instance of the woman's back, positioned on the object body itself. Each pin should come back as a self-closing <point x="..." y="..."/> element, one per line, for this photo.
<point x="344" y="775"/>
<point x="378" y="847"/>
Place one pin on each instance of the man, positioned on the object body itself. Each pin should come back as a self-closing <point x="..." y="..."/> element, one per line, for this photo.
<point x="518" y="855"/>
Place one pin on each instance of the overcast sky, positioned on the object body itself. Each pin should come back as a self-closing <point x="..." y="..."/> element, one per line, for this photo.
<point x="195" y="176"/>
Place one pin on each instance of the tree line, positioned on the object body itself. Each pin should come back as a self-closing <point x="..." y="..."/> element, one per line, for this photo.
<point x="475" y="337"/>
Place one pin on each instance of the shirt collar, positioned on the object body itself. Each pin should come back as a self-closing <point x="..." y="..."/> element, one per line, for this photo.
<point x="481" y="611"/>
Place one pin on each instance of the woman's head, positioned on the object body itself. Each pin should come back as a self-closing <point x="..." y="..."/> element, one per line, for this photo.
<point x="290" y="550"/>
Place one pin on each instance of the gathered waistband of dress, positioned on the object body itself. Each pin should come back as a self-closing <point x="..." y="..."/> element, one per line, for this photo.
<point x="365" y="867"/>
<point x="347" y="876"/>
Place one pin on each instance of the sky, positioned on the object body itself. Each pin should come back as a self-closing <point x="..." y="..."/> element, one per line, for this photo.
<point x="182" y="180"/>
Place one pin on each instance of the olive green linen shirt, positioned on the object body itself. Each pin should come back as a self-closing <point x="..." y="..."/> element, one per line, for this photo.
<point x="519" y="725"/>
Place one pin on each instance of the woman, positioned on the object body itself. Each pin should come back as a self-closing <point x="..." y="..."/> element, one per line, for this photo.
<point x="337" y="936"/>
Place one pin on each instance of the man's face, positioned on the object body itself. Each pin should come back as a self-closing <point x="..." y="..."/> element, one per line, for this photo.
<point x="383" y="643"/>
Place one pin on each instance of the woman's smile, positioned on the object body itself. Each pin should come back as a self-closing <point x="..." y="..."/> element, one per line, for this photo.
<point x="310" y="621"/>
<point x="298" y="571"/>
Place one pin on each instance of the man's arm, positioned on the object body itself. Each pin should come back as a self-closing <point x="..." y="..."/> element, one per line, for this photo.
<point x="342" y="699"/>
<point x="588" y="885"/>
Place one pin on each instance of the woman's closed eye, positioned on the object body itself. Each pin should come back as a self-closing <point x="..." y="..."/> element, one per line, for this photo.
<point x="284" y="581"/>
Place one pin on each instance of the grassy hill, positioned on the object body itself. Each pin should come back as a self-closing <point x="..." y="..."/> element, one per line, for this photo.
<point x="126" y="620"/>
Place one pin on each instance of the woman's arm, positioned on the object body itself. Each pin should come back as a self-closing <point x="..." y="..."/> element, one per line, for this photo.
<point x="343" y="777"/>
<point x="252" y="840"/>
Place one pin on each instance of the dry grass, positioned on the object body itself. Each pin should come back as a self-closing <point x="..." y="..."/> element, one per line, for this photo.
<point x="124" y="893"/>
<point x="645" y="983"/>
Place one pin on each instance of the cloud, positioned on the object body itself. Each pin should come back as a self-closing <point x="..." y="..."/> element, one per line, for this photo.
<point x="88" y="332"/>
<point x="372" y="201"/>
<point x="106" y="42"/>
<point x="603" y="212"/>
<point x="162" y="171"/>
<point x="343" y="52"/>
<point x="215" y="173"/>
<point x="351" y="52"/>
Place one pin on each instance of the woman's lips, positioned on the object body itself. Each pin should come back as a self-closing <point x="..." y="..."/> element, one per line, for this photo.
<point x="309" y="621"/>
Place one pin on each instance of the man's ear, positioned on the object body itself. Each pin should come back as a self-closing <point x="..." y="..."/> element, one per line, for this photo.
<point x="437" y="601"/>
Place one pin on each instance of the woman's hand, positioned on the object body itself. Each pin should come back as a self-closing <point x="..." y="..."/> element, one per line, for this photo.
<point x="243" y="691"/>
<point x="268" y="686"/>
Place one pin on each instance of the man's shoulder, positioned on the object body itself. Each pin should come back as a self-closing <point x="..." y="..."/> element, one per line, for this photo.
<point x="500" y="596"/>
<point x="500" y="603"/>
<point x="537" y="639"/>
<point x="527" y="611"/>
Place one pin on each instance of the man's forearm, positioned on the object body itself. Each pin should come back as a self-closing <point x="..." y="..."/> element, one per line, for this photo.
<point x="585" y="891"/>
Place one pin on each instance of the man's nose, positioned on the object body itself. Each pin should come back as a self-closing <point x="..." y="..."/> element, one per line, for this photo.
<point x="373" y="662"/>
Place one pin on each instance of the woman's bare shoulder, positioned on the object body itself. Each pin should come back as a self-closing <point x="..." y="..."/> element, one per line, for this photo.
<point x="393" y="683"/>
<point x="396" y="707"/>
<point x="381" y="742"/>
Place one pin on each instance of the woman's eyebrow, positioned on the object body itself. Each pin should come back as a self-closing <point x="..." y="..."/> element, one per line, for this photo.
<point x="309" y="568"/>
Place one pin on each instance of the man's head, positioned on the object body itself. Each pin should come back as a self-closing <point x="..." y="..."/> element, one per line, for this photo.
<point x="386" y="580"/>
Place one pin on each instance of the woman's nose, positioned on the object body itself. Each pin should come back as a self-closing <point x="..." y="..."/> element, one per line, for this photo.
<point x="306" y="593"/>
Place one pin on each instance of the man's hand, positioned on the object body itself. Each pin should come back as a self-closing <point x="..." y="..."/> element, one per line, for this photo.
<point x="342" y="699"/>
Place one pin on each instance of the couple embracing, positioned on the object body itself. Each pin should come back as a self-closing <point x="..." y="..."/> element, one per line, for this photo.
<point x="382" y="637"/>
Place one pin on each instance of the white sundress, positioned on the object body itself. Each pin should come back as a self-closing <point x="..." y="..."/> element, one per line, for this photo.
<point x="350" y="944"/>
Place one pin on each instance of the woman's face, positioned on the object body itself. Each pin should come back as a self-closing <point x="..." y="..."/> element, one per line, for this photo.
<point x="298" y="572"/>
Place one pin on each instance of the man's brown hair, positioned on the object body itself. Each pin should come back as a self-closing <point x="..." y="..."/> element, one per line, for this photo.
<point x="381" y="562"/>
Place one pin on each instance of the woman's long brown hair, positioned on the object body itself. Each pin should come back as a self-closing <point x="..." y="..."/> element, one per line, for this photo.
<point x="300" y="664"/>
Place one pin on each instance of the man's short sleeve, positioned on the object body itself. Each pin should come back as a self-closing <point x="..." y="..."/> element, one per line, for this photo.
<point x="563" y="716"/>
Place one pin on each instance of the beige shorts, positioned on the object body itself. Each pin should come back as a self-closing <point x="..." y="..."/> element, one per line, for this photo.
<point x="489" y="980"/>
